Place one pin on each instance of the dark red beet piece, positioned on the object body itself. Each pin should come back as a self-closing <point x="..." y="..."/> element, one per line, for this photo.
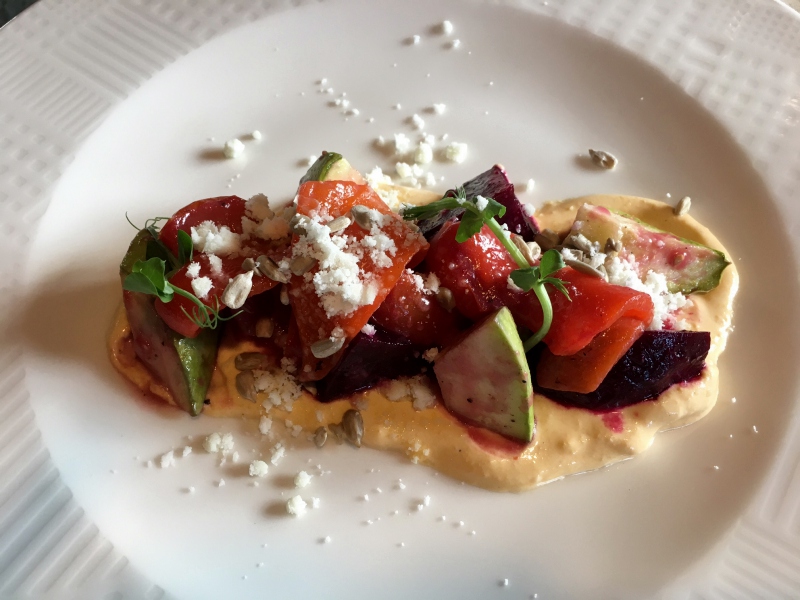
<point x="658" y="360"/>
<point x="493" y="183"/>
<point x="368" y="361"/>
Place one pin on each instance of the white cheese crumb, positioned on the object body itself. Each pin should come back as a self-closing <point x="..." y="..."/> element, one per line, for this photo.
<point x="193" y="270"/>
<point x="281" y="389"/>
<point x="455" y="44"/>
<point x="233" y="148"/>
<point x="277" y="455"/>
<point x="296" y="506"/>
<point x="216" y="264"/>
<point x="415" y="39"/>
<point x="439" y="108"/>
<point x="208" y="238"/>
<point x="314" y="502"/>
<point x="368" y="330"/>
<point x="221" y="483"/>
<point x="187" y="450"/>
<point x="264" y="425"/>
<point x="456" y="152"/>
<point x="430" y="179"/>
<point x="529" y="186"/>
<point x="426" y="500"/>
<point x="190" y="490"/>
<point x="201" y="286"/>
<point x="167" y="460"/>
<point x="430" y="354"/>
<point x="402" y="143"/>
<point x="256" y="135"/>
<point x="326" y="539"/>
<point x="446" y="27"/>
<point x="480" y="202"/>
<point x="424" y="154"/>
<point x="302" y="479"/>
<point x="258" y="468"/>
<point x="418" y="122"/>
<point x="504" y="583"/>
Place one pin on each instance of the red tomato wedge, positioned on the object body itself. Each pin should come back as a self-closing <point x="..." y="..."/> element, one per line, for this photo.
<point x="224" y="211"/>
<point x="584" y="371"/>
<point x="337" y="198"/>
<point x="477" y="271"/>
<point x="416" y="315"/>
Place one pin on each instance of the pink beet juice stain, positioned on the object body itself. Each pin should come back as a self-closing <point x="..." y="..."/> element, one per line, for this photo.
<point x="614" y="421"/>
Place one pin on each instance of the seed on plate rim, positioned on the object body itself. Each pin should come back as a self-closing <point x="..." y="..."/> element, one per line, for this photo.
<point x="683" y="206"/>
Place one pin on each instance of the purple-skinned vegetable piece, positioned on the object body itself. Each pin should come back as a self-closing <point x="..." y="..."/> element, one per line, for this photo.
<point x="656" y="361"/>
<point x="493" y="183"/>
<point x="368" y="361"/>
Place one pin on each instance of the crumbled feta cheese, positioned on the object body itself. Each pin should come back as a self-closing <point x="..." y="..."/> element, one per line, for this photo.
<point x="456" y="152"/>
<point x="221" y="483"/>
<point x="201" y="286"/>
<point x="218" y="442"/>
<point x="208" y="238"/>
<point x="296" y="506"/>
<point x="314" y="502"/>
<point x="368" y="330"/>
<point x="432" y="283"/>
<point x="258" y="468"/>
<point x="403" y="170"/>
<point x="187" y="450"/>
<point x="430" y="354"/>
<point x="402" y="143"/>
<point x="423" y="397"/>
<point x="277" y="454"/>
<point x="167" y="460"/>
<point x="326" y="539"/>
<point x="529" y="186"/>
<point x="439" y="108"/>
<point x="430" y="179"/>
<point x="418" y="122"/>
<point x="480" y="202"/>
<point x="233" y="148"/>
<point x="193" y="270"/>
<point x="280" y="387"/>
<point x="415" y="39"/>
<point x="264" y="425"/>
<point x="302" y="479"/>
<point x="216" y="264"/>
<point x="446" y="27"/>
<point x="455" y="44"/>
<point x="424" y="154"/>
<point x="256" y="135"/>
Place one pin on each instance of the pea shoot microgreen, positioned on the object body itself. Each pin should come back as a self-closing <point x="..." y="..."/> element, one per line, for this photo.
<point x="148" y="277"/>
<point x="481" y="211"/>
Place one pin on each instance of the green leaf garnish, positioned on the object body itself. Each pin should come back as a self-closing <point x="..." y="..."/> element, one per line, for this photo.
<point x="185" y="247"/>
<point x="148" y="277"/>
<point x="482" y="211"/>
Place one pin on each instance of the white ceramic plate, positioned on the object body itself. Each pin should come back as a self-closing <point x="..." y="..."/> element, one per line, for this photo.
<point x="523" y="89"/>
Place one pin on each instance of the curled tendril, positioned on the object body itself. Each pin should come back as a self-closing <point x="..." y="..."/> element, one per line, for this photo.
<point x="204" y="316"/>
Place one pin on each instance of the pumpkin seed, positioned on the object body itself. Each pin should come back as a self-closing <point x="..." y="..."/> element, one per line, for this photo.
<point x="683" y="206"/>
<point x="327" y="347"/>
<point x="284" y="295"/>
<point x="547" y="239"/>
<point x="446" y="299"/>
<point x="237" y="290"/>
<point x="248" y="265"/>
<point x="353" y="427"/>
<point x="246" y="385"/>
<point x="535" y="250"/>
<point x="603" y="159"/>
<point x="363" y="216"/>
<point x="265" y="327"/>
<point x="298" y="224"/>
<point x="612" y="245"/>
<point x="337" y="431"/>
<point x="269" y="268"/>
<point x="524" y="249"/>
<point x="320" y="437"/>
<point x="247" y="361"/>
<point x="302" y="264"/>
<point x="582" y="267"/>
<point x="339" y="223"/>
<point x="583" y="244"/>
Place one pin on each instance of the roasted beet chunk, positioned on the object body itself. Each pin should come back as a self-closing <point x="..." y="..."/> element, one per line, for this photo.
<point x="369" y="360"/>
<point x="493" y="183"/>
<point x="656" y="361"/>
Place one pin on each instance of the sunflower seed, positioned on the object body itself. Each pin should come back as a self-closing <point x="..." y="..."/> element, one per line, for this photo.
<point x="337" y="431"/>
<point x="363" y="216"/>
<point x="353" y="427"/>
<point x="446" y="299"/>
<point x="535" y="250"/>
<point x="302" y="264"/>
<point x="246" y="385"/>
<point x="582" y="243"/>
<point x="298" y="224"/>
<point x="269" y="268"/>
<point x="683" y="206"/>
<point x="237" y="290"/>
<point x="612" y="245"/>
<point x="584" y="268"/>
<point x="547" y="239"/>
<point x="603" y="159"/>
<point x="248" y="265"/>
<point x="265" y="327"/>
<point x="320" y="437"/>
<point x="247" y="361"/>
<point x="524" y="249"/>
<point x="327" y="347"/>
<point x="284" y="295"/>
<point x="339" y="223"/>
